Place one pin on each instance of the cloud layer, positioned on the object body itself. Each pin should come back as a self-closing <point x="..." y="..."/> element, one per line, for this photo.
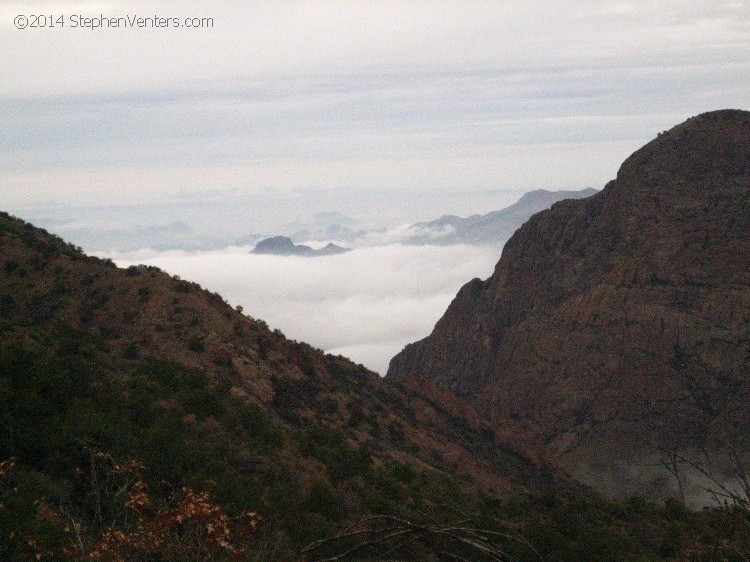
<point x="365" y="304"/>
<point x="405" y="96"/>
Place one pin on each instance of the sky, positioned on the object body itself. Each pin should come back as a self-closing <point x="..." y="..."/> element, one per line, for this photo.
<point x="389" y="112"/>
<point x="391" y="103"/>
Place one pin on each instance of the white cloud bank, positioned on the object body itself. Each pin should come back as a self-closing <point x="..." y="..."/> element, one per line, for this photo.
<point x="365" y="304"/>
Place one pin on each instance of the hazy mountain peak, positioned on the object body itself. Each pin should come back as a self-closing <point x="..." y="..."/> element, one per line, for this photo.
<point x="493" y="228"/>
<point x="283" y="246"/>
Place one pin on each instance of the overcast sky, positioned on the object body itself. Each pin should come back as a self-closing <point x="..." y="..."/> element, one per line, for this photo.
<point x="359" y="102"/>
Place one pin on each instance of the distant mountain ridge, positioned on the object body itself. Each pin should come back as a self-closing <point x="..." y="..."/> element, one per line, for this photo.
<point x="323" y="226"/>
<point x="283" y="246"/>
<point x="491" y="228"/>
<point x="619" y="324"/>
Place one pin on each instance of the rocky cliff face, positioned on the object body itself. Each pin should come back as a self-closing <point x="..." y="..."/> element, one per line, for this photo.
<point x="619" y="324"/>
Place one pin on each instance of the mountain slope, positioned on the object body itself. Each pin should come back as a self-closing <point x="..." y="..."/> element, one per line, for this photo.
<point x="619" y="324"/>
<point x="143" y="418"/>
<point x="145" y="366"/>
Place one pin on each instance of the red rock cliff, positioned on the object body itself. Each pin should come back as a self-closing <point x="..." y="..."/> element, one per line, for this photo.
<point x="620" y="323"/>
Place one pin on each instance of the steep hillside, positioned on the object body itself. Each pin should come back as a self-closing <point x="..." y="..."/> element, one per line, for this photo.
<point x="142" y="418"/>
<point x="618" y="326"/>
<point x="135" y="364"/>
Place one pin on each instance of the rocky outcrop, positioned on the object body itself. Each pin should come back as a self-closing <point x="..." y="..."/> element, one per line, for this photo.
<point x="283" y="246"/>
<point x="618" y="326"/>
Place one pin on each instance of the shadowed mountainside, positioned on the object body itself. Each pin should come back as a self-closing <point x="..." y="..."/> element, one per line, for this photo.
<point x="619" y="324"/>
<point x="146" y="366"/>
<point x="142" y="417"/>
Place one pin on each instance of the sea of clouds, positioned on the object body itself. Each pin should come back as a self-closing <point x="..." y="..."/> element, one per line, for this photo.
<point x="365" y="304"/>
